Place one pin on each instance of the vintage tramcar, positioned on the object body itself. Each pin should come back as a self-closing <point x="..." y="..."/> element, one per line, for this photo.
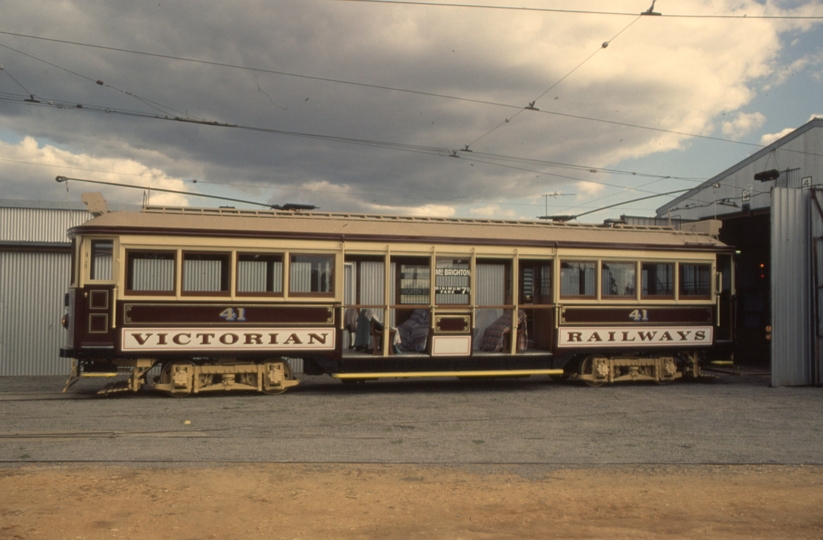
<point x="227" y="299"/>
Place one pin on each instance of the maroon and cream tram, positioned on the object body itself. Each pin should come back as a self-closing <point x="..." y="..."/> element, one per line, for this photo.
<point x="223" y="299"/>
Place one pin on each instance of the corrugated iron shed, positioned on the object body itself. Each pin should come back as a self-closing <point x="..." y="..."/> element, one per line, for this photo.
<point x="34" y="270"/>
<point x="798" y="156"/>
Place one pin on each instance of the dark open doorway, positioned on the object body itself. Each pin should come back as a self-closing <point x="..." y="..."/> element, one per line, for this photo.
<point x="751" y="236"/>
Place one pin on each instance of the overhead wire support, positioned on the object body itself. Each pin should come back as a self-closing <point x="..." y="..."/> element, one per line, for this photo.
<point x="531" y="105"/>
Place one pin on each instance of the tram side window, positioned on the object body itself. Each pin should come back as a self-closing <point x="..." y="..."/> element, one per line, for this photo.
<point x="206" y="273"/>
<point x="657" y="280"/>
<point x="311" y="274"/>
<point x="535" y="282"/>
<point x="414" y="281"/>
<point x="101" y="254"/>
<point x="618" y="279"/>
<point x="695" y="280"/>
<point x="578" y="278"/>
<point x="259" y="273"/>
<point x="452" y="281"/>
<point x="150" y="271"/>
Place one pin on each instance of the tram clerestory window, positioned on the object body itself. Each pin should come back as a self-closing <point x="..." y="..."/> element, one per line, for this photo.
<point x="101" y="255"/>
<point x="206" y="272"/>
<point x="618" y="279"/>
<point x="259" y="273"/>
<point x="657" y="280"/>
<point x="311" y="274"/>
<point x="578" y="278"/>
<point x="695" y="280"/>
<point x="150" y="271"/>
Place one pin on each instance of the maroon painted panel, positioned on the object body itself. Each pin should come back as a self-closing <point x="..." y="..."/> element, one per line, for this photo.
<point x="219" y="313"/>
<point x="452" y="324"/>
<point x="648" y="315"/>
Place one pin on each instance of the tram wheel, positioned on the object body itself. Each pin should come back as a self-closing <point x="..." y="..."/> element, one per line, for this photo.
<point x="668" y="367"/>
<point x="287" y="375"/>
<point x="180" y="376"/>
<point x="595" y="369"/>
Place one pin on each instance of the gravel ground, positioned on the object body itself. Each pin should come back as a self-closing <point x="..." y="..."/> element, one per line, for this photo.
<point x="732" y="419"/>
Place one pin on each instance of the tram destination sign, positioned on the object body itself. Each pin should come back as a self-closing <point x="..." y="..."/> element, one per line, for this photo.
<point x="599" y="336"/>
<point x="228" y="339"/>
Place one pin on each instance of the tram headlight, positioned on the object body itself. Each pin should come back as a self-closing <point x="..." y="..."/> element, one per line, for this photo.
<point x="65" y="321"/>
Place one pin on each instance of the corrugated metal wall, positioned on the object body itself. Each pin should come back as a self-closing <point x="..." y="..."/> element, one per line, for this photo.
<point x="792" y="290"/>
<point x="38" y="224"/>
<point x="31" y="305"/>
<point x="32" y="286"/>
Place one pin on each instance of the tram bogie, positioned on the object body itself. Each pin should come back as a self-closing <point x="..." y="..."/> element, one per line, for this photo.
<point x="197" y="300"/>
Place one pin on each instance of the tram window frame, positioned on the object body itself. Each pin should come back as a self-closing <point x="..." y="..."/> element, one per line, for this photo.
<point x="583" y="294"/>
<point x="132" y="255"/>
<point x="538" y="269"/>
<point x="508" y="283"/>
<point x="224" y="259"/>
<point x="644" y="287"/>
<point x="95" y="249"/>
<point x="271" y="286"/>
<point x="707" y="267"/>
<point x="412" y="261"/>
<point x="315" y="278"/>
<point x="442" y="280"/>
<point x="609" y="296"/>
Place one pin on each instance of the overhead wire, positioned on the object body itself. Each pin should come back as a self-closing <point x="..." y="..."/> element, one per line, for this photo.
<point x="383" y="144"/>
<point x="157" y="106"/>
<point x="531" y="105"/>
<point x="430" y="150"/>
<point x="374" y="86"/>
<point x="583" y="11"/>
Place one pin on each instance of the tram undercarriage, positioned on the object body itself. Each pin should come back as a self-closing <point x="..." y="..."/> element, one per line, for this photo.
<point x="180" y="378"/>
<point x="596" y="369"/>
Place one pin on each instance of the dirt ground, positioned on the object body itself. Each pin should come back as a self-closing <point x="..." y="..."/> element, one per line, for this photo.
<point x="402" y="502"/>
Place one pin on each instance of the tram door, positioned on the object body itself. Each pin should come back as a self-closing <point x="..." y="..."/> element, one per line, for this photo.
<point x="535" y="298"/>
<point x="725" y="299"/>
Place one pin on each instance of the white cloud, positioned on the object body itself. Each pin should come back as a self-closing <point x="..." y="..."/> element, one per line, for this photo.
<point x="27" y="164"/>
<point x="493" y="211"/>
<point x="586" y="189"/>
<point x="676" y="75"/>
<point x="743" y="124"/>
<point x="769" y="138"/>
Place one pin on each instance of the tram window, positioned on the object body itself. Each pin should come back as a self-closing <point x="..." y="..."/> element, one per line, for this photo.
<point x="657" y="280"/>
<point x="618" y="279"/>
<point x="535" y="282"/>
<point x="578" y="278"/>
<point x="695" y="280"/>
<point x="311" y="274"/>
<point x="206" y="272"/>
<point x="413" y="278"/>
<point x="452" y="281"/>
<point x="493" y="284"/>
<point x="73" y="261"/>
<point x="150" y="271"/>
<point x="259" y="273"/>
<point x="101" y="251"/>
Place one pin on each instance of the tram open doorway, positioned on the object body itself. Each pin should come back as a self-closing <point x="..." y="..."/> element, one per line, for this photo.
<point x="750" y="234"/>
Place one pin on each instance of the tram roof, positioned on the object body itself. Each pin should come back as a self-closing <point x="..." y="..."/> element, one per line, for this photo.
<point x="229" y="222"/>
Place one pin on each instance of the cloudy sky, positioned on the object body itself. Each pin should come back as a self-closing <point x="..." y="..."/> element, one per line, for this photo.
<point x="467" y="110"/>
